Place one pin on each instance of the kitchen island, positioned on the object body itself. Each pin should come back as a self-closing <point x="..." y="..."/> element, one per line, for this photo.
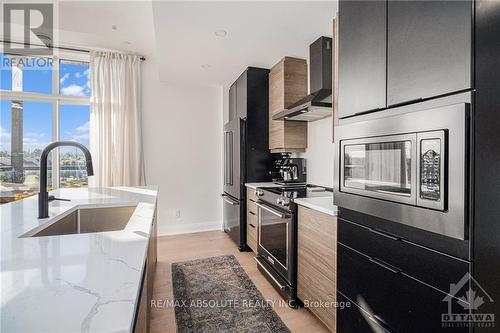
<point x="81" y="282"/>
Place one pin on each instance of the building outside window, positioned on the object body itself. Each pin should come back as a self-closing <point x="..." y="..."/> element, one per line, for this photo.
<point x="42" y="100"/>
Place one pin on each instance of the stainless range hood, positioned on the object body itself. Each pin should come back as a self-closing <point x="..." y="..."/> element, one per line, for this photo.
<point x="318" y="104"/>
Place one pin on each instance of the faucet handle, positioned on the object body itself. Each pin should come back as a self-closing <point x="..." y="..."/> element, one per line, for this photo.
<point x="52" y="198"/>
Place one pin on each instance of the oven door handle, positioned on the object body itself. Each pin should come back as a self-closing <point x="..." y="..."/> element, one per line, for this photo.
<point x="273" y="211"/>
<point x="280" y="285"/>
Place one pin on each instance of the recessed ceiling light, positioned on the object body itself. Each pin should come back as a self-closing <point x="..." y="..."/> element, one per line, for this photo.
<point x="114" y="27"/>
<point x="221" y="33"/>
<point x="127" y="42"/>
<point x="205" y="66"/>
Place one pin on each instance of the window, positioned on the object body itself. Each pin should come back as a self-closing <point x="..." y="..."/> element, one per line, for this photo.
<point x="74" y="126"/>
<point x="74" y="78"/>
<point x="42" y="100"/>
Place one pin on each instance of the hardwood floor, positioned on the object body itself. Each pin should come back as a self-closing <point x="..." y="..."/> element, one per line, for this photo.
<point x="207" y="244"/>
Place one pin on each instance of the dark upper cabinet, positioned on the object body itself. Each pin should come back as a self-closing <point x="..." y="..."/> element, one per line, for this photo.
<point x="241" y="95"/>
<point x="232" y="101"/>
<point x="362" y="56"/>
<point x="429" y="49"/>
<point x="238" y="97"/>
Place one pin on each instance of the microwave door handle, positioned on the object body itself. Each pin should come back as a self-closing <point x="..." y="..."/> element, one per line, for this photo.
<point x="273" y="211"/>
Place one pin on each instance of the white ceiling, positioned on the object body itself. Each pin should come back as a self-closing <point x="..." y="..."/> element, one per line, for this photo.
<point x="180" y="37"/>
<point x="260" y="33"/>
<point x="91" y="23"/>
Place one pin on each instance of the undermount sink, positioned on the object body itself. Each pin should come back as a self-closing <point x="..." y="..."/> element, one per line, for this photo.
<point x="88" y="220"/>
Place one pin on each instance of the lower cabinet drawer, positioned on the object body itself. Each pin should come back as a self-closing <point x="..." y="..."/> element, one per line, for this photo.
<point x="353" y="319"/>
<point x="251" y="207"/>
<point x="252" y="231"/>
<point x="396" y="301"/>
<point x="251" y="194"/>
<point x="436" y="269"/>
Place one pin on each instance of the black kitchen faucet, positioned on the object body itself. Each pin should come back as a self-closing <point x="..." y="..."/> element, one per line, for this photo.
<point x="43" y="195"/>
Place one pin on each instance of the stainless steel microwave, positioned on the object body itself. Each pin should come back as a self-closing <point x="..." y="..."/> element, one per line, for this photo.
<point x="408" y="168"/>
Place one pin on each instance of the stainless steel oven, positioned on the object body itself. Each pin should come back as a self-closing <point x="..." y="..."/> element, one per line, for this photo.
<point x="408" y="168"/>
<point x="274" y="237"/>
<point x="277" y="240"/>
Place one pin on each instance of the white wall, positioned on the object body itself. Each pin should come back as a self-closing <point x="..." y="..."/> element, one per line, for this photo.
<point x="319" y="152"/>
<point x="182" y="128"/>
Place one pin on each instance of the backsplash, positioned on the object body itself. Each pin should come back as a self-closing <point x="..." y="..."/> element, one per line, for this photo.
<point x="319" y="152"/>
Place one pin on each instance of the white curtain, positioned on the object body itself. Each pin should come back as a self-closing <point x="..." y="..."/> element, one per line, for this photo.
<point x="115" y="120"/>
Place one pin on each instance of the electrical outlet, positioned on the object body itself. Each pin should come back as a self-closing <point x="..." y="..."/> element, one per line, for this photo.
<point x="178" y="213"/>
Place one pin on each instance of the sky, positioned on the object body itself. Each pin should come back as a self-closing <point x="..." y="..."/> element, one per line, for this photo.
<point x="37" y="122"/>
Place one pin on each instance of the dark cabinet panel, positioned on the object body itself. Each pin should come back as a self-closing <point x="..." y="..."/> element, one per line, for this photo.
<point x="353" y="319"/>
<point x="396" y="301"/>
<point x="429" y="49"/>
<point x="362" y="56"/>
<point x="417" y="261"/>
<point x="486" y="164"/>
<point x="232" y="101"/>
<point x="241" y="95"/>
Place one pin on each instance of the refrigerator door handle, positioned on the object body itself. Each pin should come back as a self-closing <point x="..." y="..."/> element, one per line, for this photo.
<point x="226" y="198"/>
<point x="226" y="158"/>
<point x="231" y="147"/>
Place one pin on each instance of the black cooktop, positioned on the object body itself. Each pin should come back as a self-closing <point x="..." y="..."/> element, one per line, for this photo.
<point x="305" y="191"/>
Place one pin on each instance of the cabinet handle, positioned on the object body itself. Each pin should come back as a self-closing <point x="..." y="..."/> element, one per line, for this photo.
<point x="367" y="111"/>
<point x="383" y="323"/>
<point x="250" y="224"/>
<point x="251" y="212"/>
<point x="385" y="265"/>
<point x="384" y="234"/>
<point x="405" y="103"/>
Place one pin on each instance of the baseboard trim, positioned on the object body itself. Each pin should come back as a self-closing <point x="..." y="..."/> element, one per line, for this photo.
<point x="179" y="229"/>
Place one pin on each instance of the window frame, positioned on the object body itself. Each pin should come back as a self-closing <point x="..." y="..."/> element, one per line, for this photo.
<point x="55" y="98"/>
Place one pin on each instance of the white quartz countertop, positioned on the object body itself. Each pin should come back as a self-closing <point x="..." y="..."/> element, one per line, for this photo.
<point x="265" y="184"/>
<point x="73" y="283"/>
<point x="321" y="204"/>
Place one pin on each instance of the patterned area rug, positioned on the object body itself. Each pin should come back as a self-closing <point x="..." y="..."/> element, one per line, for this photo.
<point x="216" y="295"/>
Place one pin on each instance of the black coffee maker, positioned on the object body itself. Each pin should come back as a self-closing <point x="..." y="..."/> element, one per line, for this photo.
<point x="287" y="170"/>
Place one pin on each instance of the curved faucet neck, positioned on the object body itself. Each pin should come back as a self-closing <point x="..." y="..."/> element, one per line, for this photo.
<point x="43" y="198"/>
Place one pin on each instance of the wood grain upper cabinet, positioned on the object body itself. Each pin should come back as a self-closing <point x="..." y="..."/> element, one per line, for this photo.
<point x="429" y="49"/>
<point x="362" y="56"/>
<point x="287" y="84"/>
<point x="232" y="101"/>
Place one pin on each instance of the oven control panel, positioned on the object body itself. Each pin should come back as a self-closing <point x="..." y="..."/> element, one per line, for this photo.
<point x="283" y="201"/>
